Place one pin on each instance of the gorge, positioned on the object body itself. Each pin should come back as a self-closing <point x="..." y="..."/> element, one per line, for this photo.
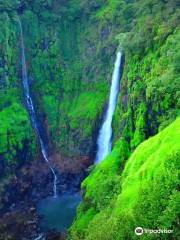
<point x="89" y="134"/>
<point x="31" y="110"/>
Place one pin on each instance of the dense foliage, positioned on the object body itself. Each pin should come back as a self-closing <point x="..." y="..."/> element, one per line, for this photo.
<point x="70" y="49"/>
<point x="145" y="194"/>
<point x="16" y="135"/>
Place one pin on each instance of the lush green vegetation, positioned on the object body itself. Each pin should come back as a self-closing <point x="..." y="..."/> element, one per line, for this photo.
<point x="16" y="135"/>
<point x="17" y="142"/>
<point x="116" y="200"/>
<point x="148" y="100"/>
<point x="62" y="65"/>
<point x="77" y="53"/>
<point x="70" y="51"/>
<point x="144" y="194"/>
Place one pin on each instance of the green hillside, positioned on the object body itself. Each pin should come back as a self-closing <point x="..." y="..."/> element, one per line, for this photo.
<point x="70" y="48"/>
<point x="144" y="194"/>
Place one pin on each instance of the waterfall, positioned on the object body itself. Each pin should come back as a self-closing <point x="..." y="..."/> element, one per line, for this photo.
<point x="104" y="142"/>
<point x="31" y="110"/>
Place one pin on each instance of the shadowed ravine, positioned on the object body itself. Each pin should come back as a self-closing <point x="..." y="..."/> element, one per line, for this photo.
<point x="31" y="110"/>
<point x="89" y="119"/>
<point x="58" y="212"/>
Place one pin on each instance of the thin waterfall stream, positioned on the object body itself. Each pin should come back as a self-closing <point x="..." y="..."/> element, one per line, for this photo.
<point x="104" y="142"/>
<point x="57" y="213"/>
<point x="31" y="110"/>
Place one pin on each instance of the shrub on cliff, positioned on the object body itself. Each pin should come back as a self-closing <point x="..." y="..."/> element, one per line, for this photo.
<point x="144" y="194"/>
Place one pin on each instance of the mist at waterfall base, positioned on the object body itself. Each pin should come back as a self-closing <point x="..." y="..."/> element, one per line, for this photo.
<point x="104" y="142"/>
<point x="57" y="213"/>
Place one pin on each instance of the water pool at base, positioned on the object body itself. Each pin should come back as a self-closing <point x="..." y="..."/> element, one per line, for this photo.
<point x="58" y="213"/>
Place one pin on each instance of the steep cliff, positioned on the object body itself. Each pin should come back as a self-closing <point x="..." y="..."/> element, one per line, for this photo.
<point x="17" y="144"/>
<point x="145" y="194"/>
<point x="70" y="50"/>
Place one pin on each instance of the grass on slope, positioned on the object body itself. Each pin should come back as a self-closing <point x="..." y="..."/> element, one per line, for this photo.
<point x="15" y="133"/>
<point x="145" y="194"/>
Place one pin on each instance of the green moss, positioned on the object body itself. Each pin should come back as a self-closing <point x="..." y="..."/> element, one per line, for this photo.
<point x="16" y="134"/>
<point x="143" y="194"/>
<point x="140" y="126"/>
<point x="70" y="50"/>
<point x="149" y="78"/>
<point x="85" y="219"/>
<point x="85" y="110"/>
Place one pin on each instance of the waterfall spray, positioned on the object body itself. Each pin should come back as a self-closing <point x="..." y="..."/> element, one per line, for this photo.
<point x="104" y="142"/>
<point x="31" y="110"/>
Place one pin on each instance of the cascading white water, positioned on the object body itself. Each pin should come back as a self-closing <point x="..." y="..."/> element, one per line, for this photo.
<point x="31" y="110"/>
<point x="104" y="142"/>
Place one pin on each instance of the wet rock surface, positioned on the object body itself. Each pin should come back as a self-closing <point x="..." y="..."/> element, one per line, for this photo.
<point x="19" y="222"/>
<point x="19" y="218"/>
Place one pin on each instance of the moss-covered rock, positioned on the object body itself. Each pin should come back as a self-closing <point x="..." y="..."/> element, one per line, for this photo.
<point x="144" y="194"/>
<point x="70" y="49"/>
<point x="17" y="143"/>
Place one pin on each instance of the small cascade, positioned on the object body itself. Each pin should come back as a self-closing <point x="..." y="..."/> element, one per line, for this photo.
<point x="31" y="110"/>
<point x="104" y="142"/>
<point x="40" y="237"/>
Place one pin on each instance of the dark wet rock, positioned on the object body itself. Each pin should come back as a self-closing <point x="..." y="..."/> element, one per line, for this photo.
<point x="56" y="236"/>
<point x="31" y="183"/>
<point x="18" y="223"/>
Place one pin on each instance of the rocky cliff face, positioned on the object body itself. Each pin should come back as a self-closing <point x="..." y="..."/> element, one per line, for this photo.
<point x="68" y="88"/>
<point x="69" y="97"/>
<point x="70" y="50"/>
<point x="17" y="144"/>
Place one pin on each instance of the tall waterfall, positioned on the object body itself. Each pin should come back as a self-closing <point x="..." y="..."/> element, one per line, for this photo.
<point x="104" y="142"/>
<point x="31" y="110"/>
